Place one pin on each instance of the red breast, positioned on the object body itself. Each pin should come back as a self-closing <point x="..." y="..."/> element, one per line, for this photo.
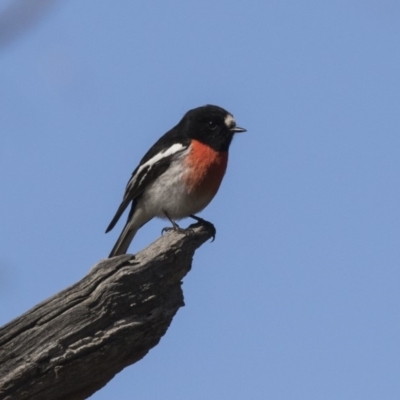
<point x="206" y="168"/>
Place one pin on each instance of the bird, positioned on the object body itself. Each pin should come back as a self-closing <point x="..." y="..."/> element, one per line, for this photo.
<point x="180" y="174"/>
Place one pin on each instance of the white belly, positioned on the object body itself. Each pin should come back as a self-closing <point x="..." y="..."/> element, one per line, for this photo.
<point x="168" y="194"/>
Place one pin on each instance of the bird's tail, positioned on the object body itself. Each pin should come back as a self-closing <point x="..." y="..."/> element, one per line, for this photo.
<point x="124" y="240"/>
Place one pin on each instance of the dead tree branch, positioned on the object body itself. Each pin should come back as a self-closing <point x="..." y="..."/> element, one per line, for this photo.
<point x="72" y="344"/>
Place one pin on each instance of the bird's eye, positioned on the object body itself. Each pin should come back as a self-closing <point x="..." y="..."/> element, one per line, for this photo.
<point x="212" y="125"/>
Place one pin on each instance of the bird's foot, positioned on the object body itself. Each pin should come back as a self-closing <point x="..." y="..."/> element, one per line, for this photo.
<point x="175" y="227"/>
<point x="207" y="224"/>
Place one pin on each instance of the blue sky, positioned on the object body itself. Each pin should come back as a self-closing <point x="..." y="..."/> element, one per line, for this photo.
<point x="298" y="297"/>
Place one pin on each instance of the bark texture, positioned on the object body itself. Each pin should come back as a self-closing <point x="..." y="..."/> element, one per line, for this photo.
<point x="72" y="344"/>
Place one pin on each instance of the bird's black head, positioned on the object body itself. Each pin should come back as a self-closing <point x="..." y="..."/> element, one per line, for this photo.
<point x="211" y="125"/>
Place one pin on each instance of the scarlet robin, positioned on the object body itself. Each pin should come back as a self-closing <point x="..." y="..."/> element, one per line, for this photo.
<point x="180" y="174"/>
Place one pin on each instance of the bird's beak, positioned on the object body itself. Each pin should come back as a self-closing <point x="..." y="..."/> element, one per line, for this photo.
<point x="236" y="129"/>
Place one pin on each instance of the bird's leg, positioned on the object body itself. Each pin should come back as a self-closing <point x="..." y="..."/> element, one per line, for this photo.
<point x="208" y="224"/>
<point x="200" y="220"/>
<point x="175" y="226"/>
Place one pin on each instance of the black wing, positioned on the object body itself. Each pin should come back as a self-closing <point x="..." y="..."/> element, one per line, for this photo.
<point x="147" y="171"/>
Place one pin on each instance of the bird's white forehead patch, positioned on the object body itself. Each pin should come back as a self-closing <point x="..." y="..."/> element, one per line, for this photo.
<point x="230" y="121"/>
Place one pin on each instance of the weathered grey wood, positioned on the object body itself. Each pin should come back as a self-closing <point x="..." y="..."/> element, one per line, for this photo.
<point x="73" y="343"/>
